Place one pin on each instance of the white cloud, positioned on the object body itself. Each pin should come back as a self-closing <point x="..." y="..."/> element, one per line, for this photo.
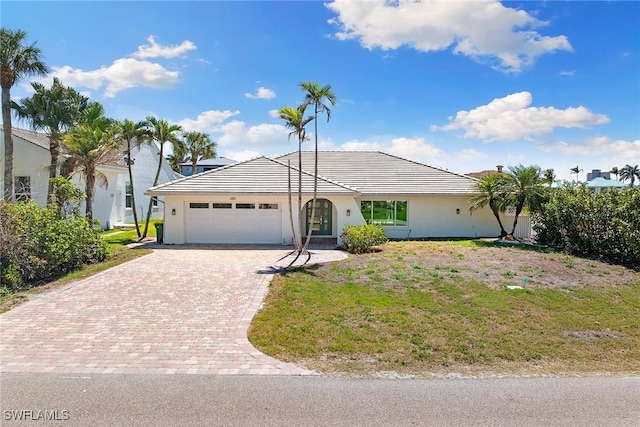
<point x="567" y="73"/>
<point x="261" y="93"/>
<point x="486" y="31"/>
<point x="207" y="121"/>
<point x="597" y="146"/>
<point x="123" y="73"/>
<point x="237" y="133"/>
<point x="511" y="118"/>
<point x="240" y="156"/>
<point x="154" y="49"/>
<point x="274" y="113"/>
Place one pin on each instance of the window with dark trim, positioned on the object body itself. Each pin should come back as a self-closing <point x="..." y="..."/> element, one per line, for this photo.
<point x="22" y="188"/>
<point x="127" y="195"/>
<point x="221" y="205"/>
<point x="268" y="206"/>
<point x="385" y="212"/>
<point x="199" y="205"/>
<point x="245" y="205"/>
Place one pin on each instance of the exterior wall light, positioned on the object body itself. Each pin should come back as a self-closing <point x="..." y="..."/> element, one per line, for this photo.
<point x="458" y="211"/>
<point x="348" y="212"/>
<point x="173" y="211"/>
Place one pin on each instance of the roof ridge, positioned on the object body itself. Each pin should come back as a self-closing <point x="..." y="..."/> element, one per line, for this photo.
<point x="426" y="165"/>
<point x="324" y="178"/>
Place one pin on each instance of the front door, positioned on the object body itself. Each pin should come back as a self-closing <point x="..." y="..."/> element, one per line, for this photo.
<point x="322" y="221"/>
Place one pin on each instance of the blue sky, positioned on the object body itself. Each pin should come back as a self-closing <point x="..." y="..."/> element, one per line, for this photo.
<point x="462" y="85"/>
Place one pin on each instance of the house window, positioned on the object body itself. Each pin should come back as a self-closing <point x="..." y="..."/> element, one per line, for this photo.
<point x="154" y="203"/>
<point x="245" y="205"/>
<point x="268" y="206"/>
<point x="127" y="195"/>
<point x="221" y="205"/>
<point x="22" y="188"/>
<point x="385" y="212"/>
<point x="199" y="205"/>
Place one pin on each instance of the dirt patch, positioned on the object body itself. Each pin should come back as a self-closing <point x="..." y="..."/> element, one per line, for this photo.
<point x="500" y="265"/>
<point x="592" y="335"/>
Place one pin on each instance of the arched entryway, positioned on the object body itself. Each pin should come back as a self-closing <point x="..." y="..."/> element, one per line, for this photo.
<point x="322" y="224"/>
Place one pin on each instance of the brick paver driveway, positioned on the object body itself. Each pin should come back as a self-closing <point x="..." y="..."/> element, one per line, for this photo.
<point x="179" y="310"/>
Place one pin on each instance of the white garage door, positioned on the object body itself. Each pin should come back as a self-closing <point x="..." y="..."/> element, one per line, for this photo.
<point x="209" y="222"/>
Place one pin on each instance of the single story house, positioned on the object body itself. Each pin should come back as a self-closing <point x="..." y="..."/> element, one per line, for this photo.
<point x="247" y="202"/>
<point x="600" y="183"/>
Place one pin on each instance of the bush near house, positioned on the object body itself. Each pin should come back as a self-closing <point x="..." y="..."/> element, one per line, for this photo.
<point x="359" y="239"/>
<point x="38" y="243"/>
<point x="605" y="225"/>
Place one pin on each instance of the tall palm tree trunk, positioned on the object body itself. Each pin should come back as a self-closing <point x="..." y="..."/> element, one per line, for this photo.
<point x="155" y="182"/>
<point x="315" y="182"/>
<point x="8" y="145"/>
<point x="89" y="190"/>
<point x="299" y="243"/>
<point x="133" y="198"/>
<point x="503" y="232"/>
<point x="54" y="150"/>
<point x="293" y="229"/>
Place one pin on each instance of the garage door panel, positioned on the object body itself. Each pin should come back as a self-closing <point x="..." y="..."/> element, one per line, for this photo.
<point x="233" y="225"/>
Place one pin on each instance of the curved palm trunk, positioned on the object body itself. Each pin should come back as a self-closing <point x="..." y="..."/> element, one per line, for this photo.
<point x="503" y="232"/>
<point x="133" y="194"/>
<point x="155" y="182"/>
<point x="8" y="145"/>
<point x="315" y="182"/>
<point x="515" y="220"/>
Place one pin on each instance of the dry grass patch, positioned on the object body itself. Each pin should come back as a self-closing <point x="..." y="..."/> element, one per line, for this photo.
<point x="436" y="308"/>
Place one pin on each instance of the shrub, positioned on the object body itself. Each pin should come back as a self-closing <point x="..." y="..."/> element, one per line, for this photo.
<point x="358" y="239"/>
<point x="38" y="243"/>
<point x="604" y="225"/>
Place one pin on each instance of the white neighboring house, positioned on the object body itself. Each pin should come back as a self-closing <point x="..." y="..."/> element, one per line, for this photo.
<point x="247" y="202"/>
<point x="145" y="164"/>
<point x="31" y="160"/>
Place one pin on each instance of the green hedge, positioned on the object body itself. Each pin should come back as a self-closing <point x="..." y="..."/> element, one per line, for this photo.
<point x="362" y="238"/>
<point x="604" y="225"/>
<point x="38" y="244"/>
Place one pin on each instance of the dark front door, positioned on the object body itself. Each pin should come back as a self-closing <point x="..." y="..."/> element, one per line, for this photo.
<point x="321" y="224"/>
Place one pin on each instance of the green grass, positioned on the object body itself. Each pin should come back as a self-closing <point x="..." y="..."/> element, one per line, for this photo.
<point x="425" y="322"/>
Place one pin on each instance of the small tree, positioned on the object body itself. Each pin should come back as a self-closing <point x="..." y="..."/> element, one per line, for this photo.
<point x="490" y="191"/>
<point x="523" y="189"/>
<point x="198" y="146"/>
<point x="577" y="171"/>
<point x="630" y="173"/>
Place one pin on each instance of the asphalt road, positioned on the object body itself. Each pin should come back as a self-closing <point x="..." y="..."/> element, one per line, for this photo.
<point x="202" y="400"/>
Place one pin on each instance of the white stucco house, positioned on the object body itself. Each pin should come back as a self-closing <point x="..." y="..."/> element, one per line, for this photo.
<point x="247" y="202"/>
<point x="111" y="204"/>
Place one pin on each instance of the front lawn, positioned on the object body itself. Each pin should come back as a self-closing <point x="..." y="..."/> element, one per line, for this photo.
<point x="444" y="308"/>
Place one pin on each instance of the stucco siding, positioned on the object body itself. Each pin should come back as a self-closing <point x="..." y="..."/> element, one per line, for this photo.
<point x="28" y="160"/>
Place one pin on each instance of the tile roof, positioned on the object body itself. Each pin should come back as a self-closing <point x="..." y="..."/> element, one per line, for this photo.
<point x="377" y="173"/>
<point x="257" y="176"/>
<point x="38" y="138"/>
<point x="603" y="182"/>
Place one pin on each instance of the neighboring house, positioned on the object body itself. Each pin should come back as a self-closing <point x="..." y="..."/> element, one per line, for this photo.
<point x="485" y="172"/>
<point x="599" y="184"/>
<point x="205" y="165"/>
<point x="145" y="165"/>
<point x="247" y="202"/>
<point x="31" y="161"/>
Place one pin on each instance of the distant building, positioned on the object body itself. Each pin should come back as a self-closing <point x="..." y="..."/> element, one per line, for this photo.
<point x="597" y="173"/>
<point x="486" y="172"/>
<point x="204" y="165"/>
<point x="599" y="184"/>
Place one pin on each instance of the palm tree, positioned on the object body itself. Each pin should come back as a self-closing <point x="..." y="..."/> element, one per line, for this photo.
<point x="630" y="173"/>
<point x="549" y="177"/>
<point x="316" y="95"/>
<point x="490" y="190"/>
<point x="178" y="156"/>
<point x="576" y="170"/>
<point x="295" y="120"/>
<point x="614" y="170"/>
<point x="523" y="186"/>
<point x="198" y="146"/>
<point x="17" y="60"/>
<point x="90" y="145"/>
<point x="134" y="134"/>
<point x="53" y="111"/>
<point x="161" y="132"/>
